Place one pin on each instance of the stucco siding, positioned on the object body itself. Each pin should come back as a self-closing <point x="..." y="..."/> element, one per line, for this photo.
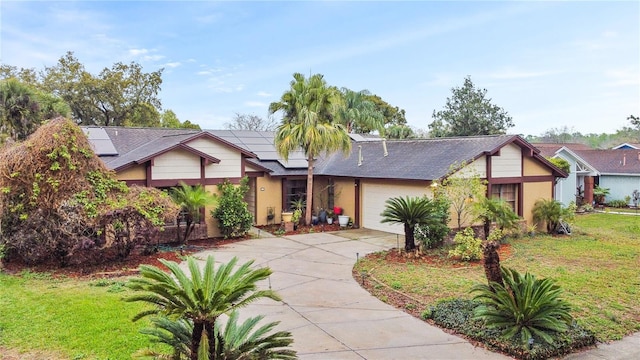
<point x="269" y="194"/>
<point x="230" y="165"/>
<point x="508" y="163"/>
<point x="531" y="193"/>
<point x="138" y="172"/>
<point x="212" y="224"/>
<point x="345" y="195"/>
<point x="176" y="164"/>
<point x="532" y="167"/>
<point x="619" y="186"/>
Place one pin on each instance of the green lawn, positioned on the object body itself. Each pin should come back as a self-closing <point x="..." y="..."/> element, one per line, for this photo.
<point x="67" y="318"/>
<point x="598" y="267"/>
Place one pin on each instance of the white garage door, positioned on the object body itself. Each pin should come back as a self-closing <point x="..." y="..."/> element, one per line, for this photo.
<point x="374" y="196"/>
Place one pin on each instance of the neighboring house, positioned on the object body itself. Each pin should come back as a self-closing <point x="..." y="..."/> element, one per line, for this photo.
<point x="360" y="183"/>
<point x="627" y="146"/>
<point x="618" y="170"/>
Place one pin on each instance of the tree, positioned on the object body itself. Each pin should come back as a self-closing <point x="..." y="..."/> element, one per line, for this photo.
<point x="200" y="297"/>
<point x="399" y="132"/>
<point x="560" y="163"/>
<point x="309" y="108"/>
<point x="635" y="121"/>
<point x="468" y="112"/>
<point x="358" y="114"/>
<point x="169" y="119"/>
<point x="109" y="99"/>
<point x="192" y="200"/>
<point x="409" y="211"/>
<point x="393" y="115"/>
<point x="524" y="306"/>
<point x="462" y="189"/>
<point x="251" y="122"/>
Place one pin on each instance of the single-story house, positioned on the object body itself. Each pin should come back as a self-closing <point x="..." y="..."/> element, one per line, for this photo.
<point x="615" y="169"/>
<point x="359" y="183"/>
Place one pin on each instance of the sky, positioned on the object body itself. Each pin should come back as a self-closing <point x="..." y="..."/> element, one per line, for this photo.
<point x="549" y="64"/>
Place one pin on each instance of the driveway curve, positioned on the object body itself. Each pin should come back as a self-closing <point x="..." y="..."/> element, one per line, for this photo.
<point x="328" y="313"/>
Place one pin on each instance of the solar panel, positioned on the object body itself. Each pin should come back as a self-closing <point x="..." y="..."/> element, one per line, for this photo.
<point x="100" y="140"/>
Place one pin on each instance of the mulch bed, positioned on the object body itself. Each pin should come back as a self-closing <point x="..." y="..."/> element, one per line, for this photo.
<point x="126" y="267"/>
<point x="278" y="229"/>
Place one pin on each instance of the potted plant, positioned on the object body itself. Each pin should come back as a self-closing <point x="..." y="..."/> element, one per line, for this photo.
<point x="329" y="216"/>
<point x="599" y="194"/>
<point x="286" y="216"/>
<point x="343" y="220"/>
<point x="337" y="210"/>
<point x="295" y="218"/>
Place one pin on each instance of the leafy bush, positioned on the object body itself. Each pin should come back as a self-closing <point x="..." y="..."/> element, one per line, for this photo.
<point x="551" y="212"/>
<point x="432" y="233"/>
<point x="234" y="218"/>
<point x="458" y="315"/>
<point x="618" y="203"/>
<point x="525" y="307"/>
<point x="61" y="204"/>
<point x="468" y="247"/>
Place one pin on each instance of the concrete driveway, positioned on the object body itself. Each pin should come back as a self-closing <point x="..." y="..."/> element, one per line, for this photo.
<point x="328" y="313"/>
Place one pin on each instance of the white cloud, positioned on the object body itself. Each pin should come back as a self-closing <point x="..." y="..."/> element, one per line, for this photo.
<point x="153" y="57"/>
<point x="622" y="77"/>
<point x="263" y="94"/>
<point x="173" y="64"/>
<point x="138" y="52"/>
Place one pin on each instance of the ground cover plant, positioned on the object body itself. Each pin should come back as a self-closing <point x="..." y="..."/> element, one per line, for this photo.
<point x="596" y="267"/>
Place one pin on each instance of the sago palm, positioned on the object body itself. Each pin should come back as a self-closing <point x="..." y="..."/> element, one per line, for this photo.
<point x="409" y="211"/>
<point x="233" y="341"/>
<point x="201" y="296"/>
<point x="524" y="306"/>
<point x="309" y="108"/>
<point x="191" y="200"/>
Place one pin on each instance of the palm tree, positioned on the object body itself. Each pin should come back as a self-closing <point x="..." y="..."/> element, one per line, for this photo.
<point x="309" y="109"/>
<point x="19" y="109"/>
<point x="191" y="200"/>
<point x="550" y="212"/>
<point x="201" y="297"/>
<point x="409" y="211"/>
<point x="358" y="114"/>
<point x="490" y="210"/>
<point x="234" y="341"/>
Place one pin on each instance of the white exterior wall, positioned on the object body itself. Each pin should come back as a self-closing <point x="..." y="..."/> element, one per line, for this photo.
<point x="176" y="164"/>
<point x="508" y="164"/>
<point x="230" y="165"/>
<point x="619" y="186"/>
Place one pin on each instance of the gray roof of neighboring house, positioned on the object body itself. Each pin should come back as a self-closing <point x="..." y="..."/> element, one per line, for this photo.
<point x="612" y="161"/>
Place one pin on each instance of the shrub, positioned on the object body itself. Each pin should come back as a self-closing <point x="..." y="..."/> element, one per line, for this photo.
<point x="457" y="315"/>
<point x="468" y="247"/>
<point x="524" y="307"/>
<point x="431" y="234"/>
<point x="618" y="203"/>
<point x="234" y="218"/>
<point x="550" y="212"/>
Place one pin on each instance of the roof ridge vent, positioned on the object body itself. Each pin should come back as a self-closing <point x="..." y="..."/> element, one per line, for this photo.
<point x="360" y="155"/>
<point x="384" y="146"/>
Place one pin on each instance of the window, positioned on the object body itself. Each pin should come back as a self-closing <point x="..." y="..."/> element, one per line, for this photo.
<point x="295" y="190"/>
<point x="506" y="192"/>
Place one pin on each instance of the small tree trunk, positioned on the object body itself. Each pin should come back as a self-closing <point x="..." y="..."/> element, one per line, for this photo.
<point x="409" y="242"/>
<point x="491" y="262"/>
<point x="487" y="228"/>
<point x="309" y="199"/>
<point x="196" y="335"/>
